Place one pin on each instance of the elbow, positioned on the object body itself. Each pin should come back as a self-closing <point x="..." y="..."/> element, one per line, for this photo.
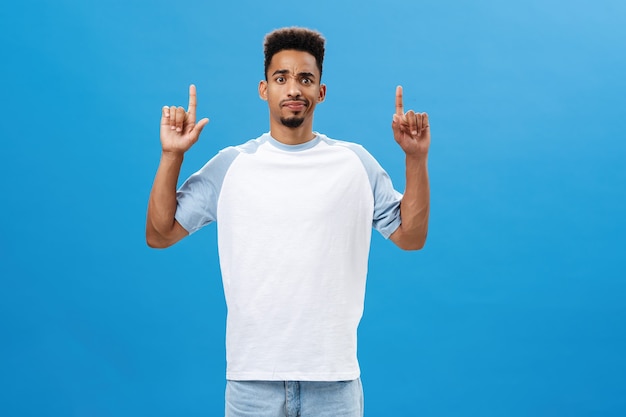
<point x="160" y="239"/>
<point x="410" y="236"/>
<point x="153" y="243"/>
<point x="154" y="240"/>
<point x="414" y="244"/>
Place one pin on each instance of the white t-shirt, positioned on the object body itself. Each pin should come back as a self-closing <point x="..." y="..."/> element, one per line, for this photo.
<point x="294" y="227"/>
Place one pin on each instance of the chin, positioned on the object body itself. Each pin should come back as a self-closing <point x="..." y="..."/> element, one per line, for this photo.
<point x="292" y="122"/>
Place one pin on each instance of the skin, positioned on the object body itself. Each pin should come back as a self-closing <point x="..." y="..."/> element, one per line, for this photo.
<point x="412" y="132"/>
<point x="179" y="131"/>
<point x="292" y="90"/>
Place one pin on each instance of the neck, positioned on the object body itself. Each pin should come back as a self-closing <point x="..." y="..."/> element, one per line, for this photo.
<point x="292" y="136"/>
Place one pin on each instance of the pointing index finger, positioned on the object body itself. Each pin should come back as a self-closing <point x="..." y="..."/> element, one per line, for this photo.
<point x="192" y="103"/>
<point x="399" y="104"/>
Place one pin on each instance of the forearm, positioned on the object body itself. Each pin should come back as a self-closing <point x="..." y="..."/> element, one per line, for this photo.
<point x="160" y="224"/>
<point x="415" y="205"/>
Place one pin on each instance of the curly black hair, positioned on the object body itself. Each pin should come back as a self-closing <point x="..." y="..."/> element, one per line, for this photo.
<point x="296" y="38"/>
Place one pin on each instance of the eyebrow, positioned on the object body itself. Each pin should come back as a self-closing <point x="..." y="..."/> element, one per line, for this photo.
<point x="301" y="74"/>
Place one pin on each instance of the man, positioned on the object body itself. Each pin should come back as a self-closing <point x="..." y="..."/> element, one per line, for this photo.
<point x="294" y="212"/>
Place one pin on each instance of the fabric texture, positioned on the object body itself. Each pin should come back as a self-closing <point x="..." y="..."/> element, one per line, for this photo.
<point x="294" y="227"/>
<point x="294" y="399"/>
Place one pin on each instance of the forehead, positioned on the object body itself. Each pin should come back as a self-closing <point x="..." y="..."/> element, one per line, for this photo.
<point x="293" y="61"/>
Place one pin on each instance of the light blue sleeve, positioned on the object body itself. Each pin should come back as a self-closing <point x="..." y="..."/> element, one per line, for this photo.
<point x="386" y="199"/>
<point x="197" y="197"/>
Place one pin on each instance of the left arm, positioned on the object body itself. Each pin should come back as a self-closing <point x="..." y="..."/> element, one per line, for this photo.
<point x="412" y="132"/>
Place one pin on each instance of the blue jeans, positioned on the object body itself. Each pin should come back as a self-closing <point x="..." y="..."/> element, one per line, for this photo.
<point x="294" y="399"/>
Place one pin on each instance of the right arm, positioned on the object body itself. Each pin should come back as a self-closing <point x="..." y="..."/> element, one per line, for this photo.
<point x="179" y="132"/>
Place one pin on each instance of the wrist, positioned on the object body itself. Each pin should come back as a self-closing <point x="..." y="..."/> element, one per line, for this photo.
<point x="172" y="156"/>
<point x="416" y="159"/>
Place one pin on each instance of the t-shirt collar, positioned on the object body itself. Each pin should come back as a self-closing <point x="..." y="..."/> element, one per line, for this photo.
<point x="294" y="148"/>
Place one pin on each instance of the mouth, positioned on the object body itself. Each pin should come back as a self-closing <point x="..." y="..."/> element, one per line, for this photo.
<point x="295" y="105"/>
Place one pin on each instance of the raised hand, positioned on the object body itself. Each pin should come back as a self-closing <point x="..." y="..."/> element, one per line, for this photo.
<point x="179" y="130"/>
<point x="411" y="130"/>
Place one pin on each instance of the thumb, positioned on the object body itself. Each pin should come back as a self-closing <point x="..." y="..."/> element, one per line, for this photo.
<point x="200" y="125"/>
<point x="396" y="122"/>
<point x="165" y="115"/>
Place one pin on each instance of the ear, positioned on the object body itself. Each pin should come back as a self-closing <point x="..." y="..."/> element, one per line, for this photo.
<point x="263" y="90"/>
<point x="322" y="95"/>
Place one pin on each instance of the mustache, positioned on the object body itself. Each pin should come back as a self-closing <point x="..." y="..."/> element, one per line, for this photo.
<point x="295" y="100"/>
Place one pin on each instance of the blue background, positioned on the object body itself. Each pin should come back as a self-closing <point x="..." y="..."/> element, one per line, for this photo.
<point x="514" y="308"/>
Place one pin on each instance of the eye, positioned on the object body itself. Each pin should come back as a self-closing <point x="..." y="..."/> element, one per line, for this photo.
<point x="280" y="80"/>
<point x="306" y="81"/>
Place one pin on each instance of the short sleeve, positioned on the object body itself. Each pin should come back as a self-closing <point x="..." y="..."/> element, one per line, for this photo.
<point x="198" y="196"/>
<point x="386" y="199"/>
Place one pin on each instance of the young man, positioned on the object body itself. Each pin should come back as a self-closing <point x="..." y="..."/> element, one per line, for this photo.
<point x="294" y="212"/>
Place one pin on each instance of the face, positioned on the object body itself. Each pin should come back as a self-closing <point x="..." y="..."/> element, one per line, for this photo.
<point x="293" y="88"/>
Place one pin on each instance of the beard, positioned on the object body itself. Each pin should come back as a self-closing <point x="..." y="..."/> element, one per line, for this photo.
<point x="292" y="122"/>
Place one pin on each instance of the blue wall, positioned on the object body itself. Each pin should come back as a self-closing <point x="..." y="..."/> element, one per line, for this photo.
<point x="514" y="308"/>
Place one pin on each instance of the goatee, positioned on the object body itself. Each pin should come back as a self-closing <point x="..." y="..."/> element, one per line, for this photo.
<point x="292" y="122"/>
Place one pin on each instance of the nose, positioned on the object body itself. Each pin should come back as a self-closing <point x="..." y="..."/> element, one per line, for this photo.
<point x="293" y="87"/>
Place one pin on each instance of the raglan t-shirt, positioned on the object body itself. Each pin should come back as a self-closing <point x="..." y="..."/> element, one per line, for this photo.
<point x="294" y="226"/>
